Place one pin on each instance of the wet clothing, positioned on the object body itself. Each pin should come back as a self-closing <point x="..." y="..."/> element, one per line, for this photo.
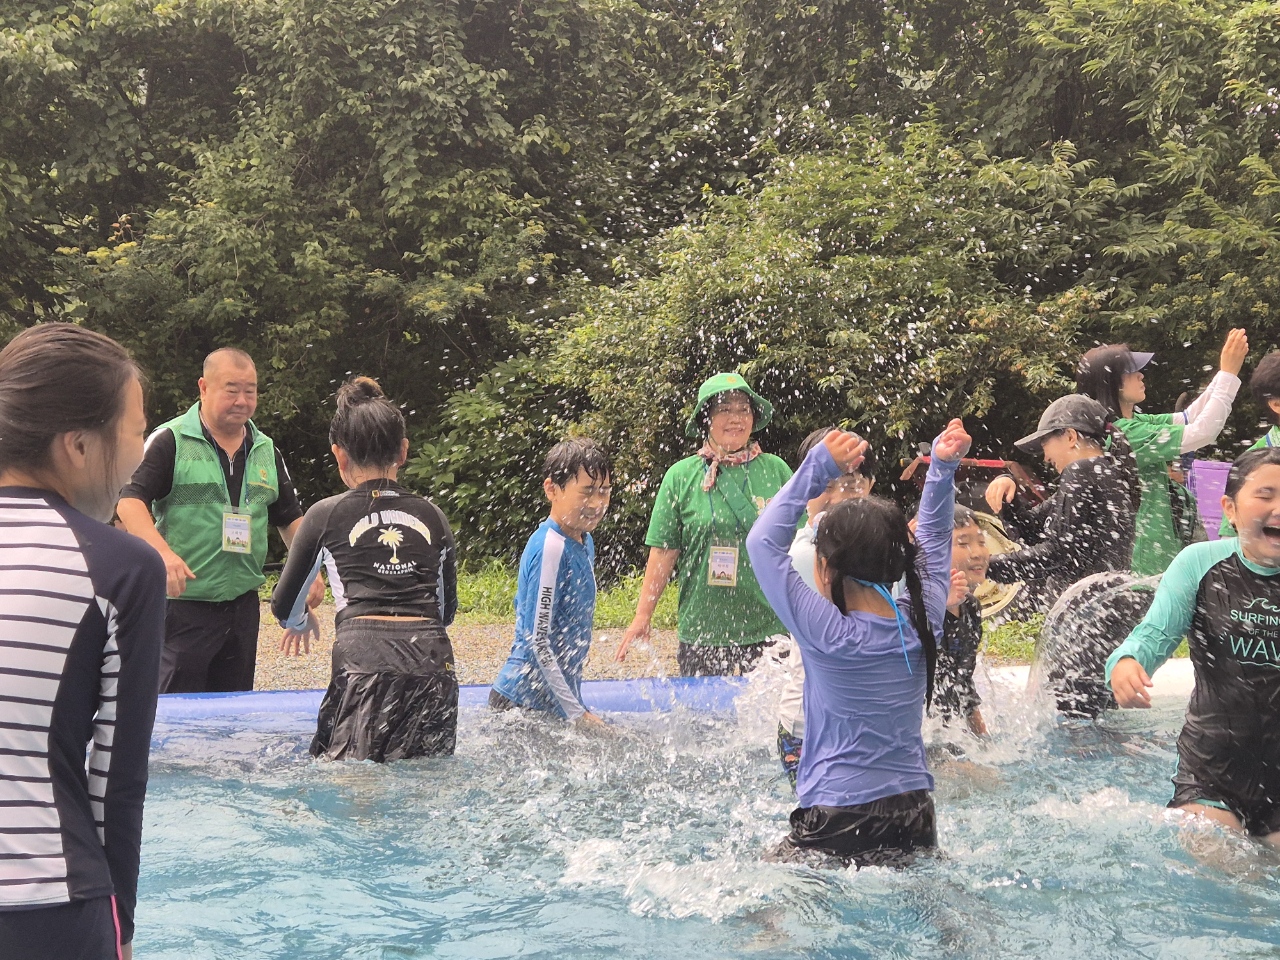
<point x="954" y="693"/>
<point x="713" y="524"/>
<point x="393" y="692"/>
<point x="791" y="703"/>
<point x="790" y="748"/>
<point x="80" y="930"/>
<point x="388" y="553"/>
<point x="210" y="647"/>
<point x="81" y="627"/>
<point x="1229" y="610"/>
<point x="700" y="660"/>
<point x="1088" y="622"/>
<point x="1157" y="440"/>
<point x="1259" y="818"/>
<point x="865" y="677"/>
<point x="1086" y="527"/>
<point x="883" y="833"/>
<point x="555" y="606"/>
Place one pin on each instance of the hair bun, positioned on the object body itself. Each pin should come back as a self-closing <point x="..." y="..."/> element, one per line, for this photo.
<point x="358" y="390"/>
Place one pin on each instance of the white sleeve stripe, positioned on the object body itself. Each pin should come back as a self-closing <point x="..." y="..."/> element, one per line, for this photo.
<point x="543" y="617"/>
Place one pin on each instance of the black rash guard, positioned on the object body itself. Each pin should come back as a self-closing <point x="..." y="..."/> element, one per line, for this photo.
<point x="954" y="692"/>
<point x="1229" y="611"/>
<point x="81" y="627"/>
<point x="1086" y="527"/>
<point x="388" y="552"/>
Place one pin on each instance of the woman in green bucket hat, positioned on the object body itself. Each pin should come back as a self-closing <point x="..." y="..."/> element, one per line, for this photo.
<point x="698" y="530"/>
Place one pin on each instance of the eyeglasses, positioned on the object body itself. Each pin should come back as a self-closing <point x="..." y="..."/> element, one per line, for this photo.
<point x="733" y="410"/>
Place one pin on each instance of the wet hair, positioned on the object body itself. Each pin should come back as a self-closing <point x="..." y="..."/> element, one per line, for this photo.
<point x="1245" y="464"/>
<point x="1101" y="371"/>
<point x="964" y="517"/>
<point x="1265" y="384"/>
<point x="866" y="469"/>
<point x="234" y="354"/>
<point x="567" y="457"/>
<point x="368" y="426"/>
<point x="56" y="378"/>
<point x="867" y="539"/>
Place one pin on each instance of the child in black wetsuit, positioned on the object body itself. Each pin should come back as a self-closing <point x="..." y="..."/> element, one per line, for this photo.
<point x="1224" y="597"/>
<point x="390" y="558"/>
<point x="956" y="695"/>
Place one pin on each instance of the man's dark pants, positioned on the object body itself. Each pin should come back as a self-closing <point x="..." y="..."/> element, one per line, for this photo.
<point x="210" y="647"/>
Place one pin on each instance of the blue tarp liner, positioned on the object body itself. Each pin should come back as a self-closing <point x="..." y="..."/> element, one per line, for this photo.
<point x="700" y="694"/>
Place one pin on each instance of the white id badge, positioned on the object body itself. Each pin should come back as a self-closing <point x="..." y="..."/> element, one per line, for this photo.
<point x="722" y="567"/>
<point x="235" y="533"/>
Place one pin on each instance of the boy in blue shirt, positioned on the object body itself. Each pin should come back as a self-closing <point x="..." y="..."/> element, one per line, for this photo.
<point x="556" y="590"/>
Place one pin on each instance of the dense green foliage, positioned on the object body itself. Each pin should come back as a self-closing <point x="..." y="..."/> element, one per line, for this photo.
<point x="560" y="215"/>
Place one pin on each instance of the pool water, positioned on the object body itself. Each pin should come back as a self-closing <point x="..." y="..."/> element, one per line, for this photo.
<point x="536" y="842"/>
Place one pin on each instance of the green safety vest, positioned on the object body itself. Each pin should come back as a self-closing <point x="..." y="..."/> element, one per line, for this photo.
<point x="190" y="517"/>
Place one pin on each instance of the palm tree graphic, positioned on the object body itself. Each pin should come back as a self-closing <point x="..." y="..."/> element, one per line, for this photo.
<point x="391" y="537"/>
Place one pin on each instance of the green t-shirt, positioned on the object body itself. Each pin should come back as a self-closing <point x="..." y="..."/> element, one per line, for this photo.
<point x="692" y="520"/>
<point x="1156" y="442"/>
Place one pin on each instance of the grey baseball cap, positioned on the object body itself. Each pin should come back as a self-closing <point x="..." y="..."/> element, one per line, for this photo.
<point x="1075" y="412"/>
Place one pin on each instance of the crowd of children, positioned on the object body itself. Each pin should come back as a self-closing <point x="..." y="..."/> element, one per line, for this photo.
<point x="874" y="616"/>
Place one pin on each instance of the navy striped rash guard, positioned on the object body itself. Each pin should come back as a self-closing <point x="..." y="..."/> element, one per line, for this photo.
<point x="81" y="627"/>
<point x="555" y="605"/>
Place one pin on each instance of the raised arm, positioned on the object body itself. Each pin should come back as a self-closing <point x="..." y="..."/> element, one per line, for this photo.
<point x="808" y="616"/>
<point x="936" y="519"/>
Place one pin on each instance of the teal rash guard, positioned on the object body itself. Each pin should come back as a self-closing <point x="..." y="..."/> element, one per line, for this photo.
<point x="1229" y="610"/>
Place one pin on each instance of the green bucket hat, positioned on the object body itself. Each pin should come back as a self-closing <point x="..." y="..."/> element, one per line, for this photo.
<point x="723" y="383"/>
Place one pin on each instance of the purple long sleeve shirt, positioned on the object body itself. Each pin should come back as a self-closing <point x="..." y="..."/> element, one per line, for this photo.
<point x="863" y="707"/>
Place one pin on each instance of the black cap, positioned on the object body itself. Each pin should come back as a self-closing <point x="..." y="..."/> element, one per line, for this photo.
<point x="1073" y="412"/>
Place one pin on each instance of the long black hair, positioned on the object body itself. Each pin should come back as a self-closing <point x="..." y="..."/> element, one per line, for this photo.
<point x="867" y="539"/>
<point x="1101" y="372"/>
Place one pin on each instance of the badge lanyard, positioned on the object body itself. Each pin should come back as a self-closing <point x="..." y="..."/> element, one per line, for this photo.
<point x="236" y="530"/>
<point x="722" y="559"/>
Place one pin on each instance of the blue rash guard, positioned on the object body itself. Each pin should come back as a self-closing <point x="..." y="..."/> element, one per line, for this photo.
<point x="863" y="699"/>
<point x="555" y="605"/>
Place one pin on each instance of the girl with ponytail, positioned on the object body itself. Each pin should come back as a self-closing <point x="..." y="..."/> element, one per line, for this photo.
<point x="863" y="785"/>
<point x="392" y="565"/>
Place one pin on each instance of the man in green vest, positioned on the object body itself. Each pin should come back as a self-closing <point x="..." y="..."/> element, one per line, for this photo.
<point x="208" y="488"/>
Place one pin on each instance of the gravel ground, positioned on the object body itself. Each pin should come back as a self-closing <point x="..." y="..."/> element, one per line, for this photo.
<point x="479" y="651"/>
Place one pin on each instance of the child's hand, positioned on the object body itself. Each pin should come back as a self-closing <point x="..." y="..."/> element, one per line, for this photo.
<point x="1234" y="351"/>
<point x="1000" y="491"/>
<point x="953" y="443"/>
<point x="295" y="643"/>
<point x="1130" y="684"/>
<point x="959" y="589"/>
<point x="593" y="726"/>
<point x="846" y="449"/>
